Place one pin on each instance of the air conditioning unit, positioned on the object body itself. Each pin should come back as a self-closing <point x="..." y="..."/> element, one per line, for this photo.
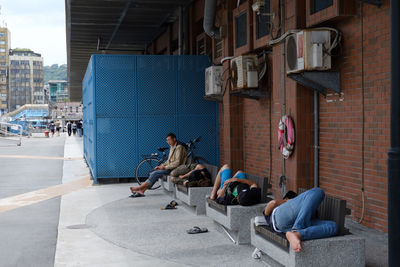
<point x="305" y="51"/>
<point x="213" y="80"/>
<point x="244" y="72"/>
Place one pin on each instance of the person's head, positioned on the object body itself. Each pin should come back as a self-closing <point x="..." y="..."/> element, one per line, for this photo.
<point x="171" y="139"/>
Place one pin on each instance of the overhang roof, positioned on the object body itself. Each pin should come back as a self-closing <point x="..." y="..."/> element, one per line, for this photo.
<point x="111" y="26"/>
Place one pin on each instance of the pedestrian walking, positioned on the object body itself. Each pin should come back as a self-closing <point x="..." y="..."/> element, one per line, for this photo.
<point x="74" y="128"/>
<point x="58" y="128"/>
<point x="69" y="128"/>
<point x="52" y="127"/>
<point x="79" y="128"/>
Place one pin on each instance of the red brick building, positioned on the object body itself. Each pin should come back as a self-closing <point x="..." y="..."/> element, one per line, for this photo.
<point x="353" y="125"/>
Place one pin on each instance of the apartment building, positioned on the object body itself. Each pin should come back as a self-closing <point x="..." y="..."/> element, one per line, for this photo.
<point x="58" y="91"/>
<point x="25" y="78"/>
<point x="5" y="42"/>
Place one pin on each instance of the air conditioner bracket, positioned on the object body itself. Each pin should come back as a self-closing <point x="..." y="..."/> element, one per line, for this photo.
<point x="377" y="3"/>
<point x="249" y="93"/>
<point x="318" y="80"/>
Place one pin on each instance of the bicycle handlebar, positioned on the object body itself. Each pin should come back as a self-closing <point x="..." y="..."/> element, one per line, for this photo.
<point x="191" y="142"/>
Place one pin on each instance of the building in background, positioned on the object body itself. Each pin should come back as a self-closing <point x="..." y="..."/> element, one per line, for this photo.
<point x="5" y="42"/>
<point x="25" y="78"/>
<point x="58" y="91"/>
<point x="68" y="111"/>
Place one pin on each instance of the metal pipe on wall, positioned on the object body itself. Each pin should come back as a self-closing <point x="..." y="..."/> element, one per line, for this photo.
<point x="186" y="31"/>
<point x="210" y="10"/>
<point x="180" y="29"/>
<point x="283" y="92"/>
<point x="316" y="139"/>
<point x="394" y="151"/>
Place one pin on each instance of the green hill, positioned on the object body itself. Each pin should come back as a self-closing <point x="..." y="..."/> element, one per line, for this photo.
<point x="55" y="72"/>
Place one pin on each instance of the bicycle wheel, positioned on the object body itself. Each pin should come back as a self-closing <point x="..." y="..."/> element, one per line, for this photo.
<point x="200" y="160"/>
<point x="143" y="170"/>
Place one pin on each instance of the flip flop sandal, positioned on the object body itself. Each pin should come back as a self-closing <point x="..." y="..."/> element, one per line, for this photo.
<point x="136" y="194"/>
<point x="197" y="230"/>
<point x="168" y="207"/>
<point x="174" y="203"/>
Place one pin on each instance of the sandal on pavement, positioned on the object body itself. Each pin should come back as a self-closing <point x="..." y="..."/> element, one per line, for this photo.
<point x="173" y="203"/>
<point x="197" y="230"/>
<point x="168" y="207"/>
<point x="136" y="194"/>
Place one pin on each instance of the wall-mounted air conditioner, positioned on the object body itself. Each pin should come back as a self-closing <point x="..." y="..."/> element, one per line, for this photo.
<point x="244" y="72"/>
<point x="213" y="80"/>
<point x="306" y="50"/>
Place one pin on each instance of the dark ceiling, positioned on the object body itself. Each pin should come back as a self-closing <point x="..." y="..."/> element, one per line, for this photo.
<point x="112" y="26"/>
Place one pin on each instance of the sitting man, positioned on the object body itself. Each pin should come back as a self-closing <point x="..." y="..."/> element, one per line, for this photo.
<point x="198" y="177"/>
<point x="177" y="156"/>
<point x="294" y="217"/>
<point x="241" y="190"/>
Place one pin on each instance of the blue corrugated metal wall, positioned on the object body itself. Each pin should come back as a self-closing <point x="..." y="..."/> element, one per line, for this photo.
<point x="132" y="102"/>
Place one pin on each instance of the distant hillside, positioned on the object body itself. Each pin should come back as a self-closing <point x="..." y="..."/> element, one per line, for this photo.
<point x="55" y="72"/>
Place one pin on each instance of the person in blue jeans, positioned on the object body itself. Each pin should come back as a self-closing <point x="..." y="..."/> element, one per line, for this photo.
<point x="177" y="156"/>
<point x="224" y="176"/>
<point x="295" y="218"/>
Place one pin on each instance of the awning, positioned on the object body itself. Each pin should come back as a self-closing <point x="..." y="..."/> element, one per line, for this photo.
<point x="112" y="26"/>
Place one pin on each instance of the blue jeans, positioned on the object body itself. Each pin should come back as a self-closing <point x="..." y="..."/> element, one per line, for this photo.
<point x="155" y="175"/>
<point x="296" y="214"/>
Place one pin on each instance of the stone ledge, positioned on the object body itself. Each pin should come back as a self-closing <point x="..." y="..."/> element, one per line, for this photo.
<point x="348" y="250"/>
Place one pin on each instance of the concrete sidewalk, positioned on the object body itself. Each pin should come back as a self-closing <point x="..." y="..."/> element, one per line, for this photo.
<point x="100" y="226"/>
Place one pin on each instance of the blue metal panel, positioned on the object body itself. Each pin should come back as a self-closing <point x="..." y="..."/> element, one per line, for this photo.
<point x="156" y="85"/>
<point x="115" y="147"/>
<point x="191" y="126"/>
<point x="125" y="116"/>
<point x="115" y="80"/>
<point x="191" y="86"/>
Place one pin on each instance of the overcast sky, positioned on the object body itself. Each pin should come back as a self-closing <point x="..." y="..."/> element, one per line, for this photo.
<point x="38" y="25"/>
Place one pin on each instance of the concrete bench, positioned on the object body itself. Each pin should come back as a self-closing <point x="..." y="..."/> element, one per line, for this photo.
<point x="166" y="183"/>
<point x="344" y="249"/>
<point x="235" y="218"/>
<point x="195" y="196"/>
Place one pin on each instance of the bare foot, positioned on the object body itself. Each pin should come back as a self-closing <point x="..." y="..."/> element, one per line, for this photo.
<point x="294" y="240"/>
<point x="133" y="189"/>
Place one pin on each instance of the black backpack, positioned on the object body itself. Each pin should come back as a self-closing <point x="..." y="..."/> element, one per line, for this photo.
<point x="229" y="198"/>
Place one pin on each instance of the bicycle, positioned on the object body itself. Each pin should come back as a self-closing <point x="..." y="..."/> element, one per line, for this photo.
<point x="149" y="162"/>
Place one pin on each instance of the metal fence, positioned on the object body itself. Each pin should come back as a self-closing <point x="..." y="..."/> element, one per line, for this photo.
<point x="131" y="102"/>
<point x="10" y="134"/>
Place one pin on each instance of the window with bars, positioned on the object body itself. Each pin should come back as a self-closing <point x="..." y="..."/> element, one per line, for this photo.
<point x="201" y="46"/>
<point x="241" y="29"/>
<point x="318" y="5"/>
<point x="263" y="25"/>
<point x="218" y="48"/>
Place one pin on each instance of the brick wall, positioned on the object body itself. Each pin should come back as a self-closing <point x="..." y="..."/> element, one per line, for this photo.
<point x="350" y="150"/>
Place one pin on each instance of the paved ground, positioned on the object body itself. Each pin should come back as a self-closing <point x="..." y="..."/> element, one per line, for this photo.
<point x="29" y="234"/>
<point x="100" y="226"/>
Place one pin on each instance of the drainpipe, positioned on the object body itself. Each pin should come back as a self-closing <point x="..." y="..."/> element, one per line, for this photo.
<point x="180" y="50"/>
<point x="186" y="32"/>
<point x="394" y="151"/>
<point x="282" y="181"/>
<point x="316" y="139"/>
<point x="210" y="10"/>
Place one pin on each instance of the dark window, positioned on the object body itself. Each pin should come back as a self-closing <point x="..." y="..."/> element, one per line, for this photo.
<point x="241" y="29"/>
<point x="318" y="5"/>
<point x="263" y="25"/>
